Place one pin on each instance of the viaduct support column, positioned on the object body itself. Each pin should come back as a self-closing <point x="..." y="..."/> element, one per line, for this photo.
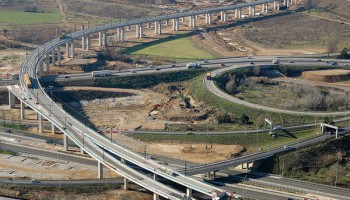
<point x="189" y="192"/>
<point x="88" y="42"/>
<point x="263" y="8"/>
<point x="67" y="49"/>
<point x="53" y="57"/>
<point x="240" y="13"/>
<point x="53" y="128"/>
<point x="250" y="10"/>
<point x="278" y="6"/>
<point x="83" y="39"/>
<point x="100" y="170"/>
<point x="72" y="49"/>
<point x="156" y="27"/>
<point x="104" y="42"/>
<point x="59" y="56"/>
<point x="122" y="37"/>
<point x="47" y="63"/>
<point x="267" y="8"/>
<point x="137" y="27"/>
<point x="41" y="68"/>
<point x="125" y="183"/>
<point x="155" y="196"/>
<point x="141" y="31"/>
<point x="12" y="99"/>
<point x="177" y="24"/>
<point x="236" y="13"/>
<point x="22" y="111"/>
<point x="40" y="123"/>
<point x="174" y="24"/>
<point x="253" y="11"/>
<point x="193" y="21"/>
<point x="65" y="142"/>
<point x="99" y="38"/>
<point x="190" y="21"/>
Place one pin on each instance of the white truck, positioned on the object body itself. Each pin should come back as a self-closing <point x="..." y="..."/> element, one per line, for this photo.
<point x="101" y="73"/>
<point x="193" y="65"/>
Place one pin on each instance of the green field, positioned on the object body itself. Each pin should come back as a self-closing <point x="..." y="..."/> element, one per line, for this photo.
<point x="172" y="48"/>
<point x="16" y="17"/>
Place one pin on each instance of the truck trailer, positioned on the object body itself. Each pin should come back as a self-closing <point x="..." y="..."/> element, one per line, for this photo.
<point x="101" y="73"/>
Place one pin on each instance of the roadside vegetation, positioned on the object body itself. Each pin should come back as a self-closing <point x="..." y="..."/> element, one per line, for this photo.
<point x="263" y="140"/>
<point x="326" y="163"/>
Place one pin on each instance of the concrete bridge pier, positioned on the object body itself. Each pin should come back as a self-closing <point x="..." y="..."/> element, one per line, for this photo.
<point x="41" y="67"/>
<point x="155" y="177"/>
<point x="137" y="27"/>
<point x="12" y="100"/>
<point x="72" y="49"/>
<point x="83" y="39"/>
<point x="53" y="57"/>
<point x="208" y="18"/>
<point x="65" y="142"/>
<point x="149" y="25"/>
<point x="53" y="128"/>
<point x="158" y="27"/>
<point x="287" y="3"/>
<point x="59" y="56"/>
<point x="239" y="13"/>
<point x="100" y="170"/>
<point x="88" y="42"/>
<point x="278" y="6"/>
<point x="121" y="34"/>
<point x="166" y="22"/>
<point x="155" y="196"/>
<point x="182" y="19"/>
<point x="22" y="111"/>
<point x="126" y="183"/>
<point x="267" y="8"/>
<point x="40" y="123"/>
<point x="263" y="8"/>
<point x="141" y="31"/>
<point x="190" y="21"/>
<point x="105" y="39"/>
<point x="250" y="10"/>
<point x="67" y="50"/>
<point x="129" y="28"/>
<point x="100" y="38"/>
<point x="236" y="14"/>
<point x="189" y="192"/>
<point x="253" y="11"/>
<point x="47" y="63"/>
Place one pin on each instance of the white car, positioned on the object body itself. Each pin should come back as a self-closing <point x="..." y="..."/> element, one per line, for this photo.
<point x="277" y="128"/>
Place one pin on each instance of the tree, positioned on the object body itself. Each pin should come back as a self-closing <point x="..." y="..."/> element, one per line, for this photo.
<point x="332" y="45"/>
<point x="344" y="54"/>
<point x="225" y="118"/>
<point x="257" y="70"/>
<point x="230" y="86"/>
<point x="244" y="119"/>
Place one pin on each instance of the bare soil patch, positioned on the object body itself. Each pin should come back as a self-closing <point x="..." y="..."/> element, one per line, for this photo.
<point x="327" y="75"/>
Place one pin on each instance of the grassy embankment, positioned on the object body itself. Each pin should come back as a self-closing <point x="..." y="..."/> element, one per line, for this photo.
<point x="22" y="18"/>
<point x="177" y="48"/>
<point x="323" y="163"/>
<point x="263" y="140"/>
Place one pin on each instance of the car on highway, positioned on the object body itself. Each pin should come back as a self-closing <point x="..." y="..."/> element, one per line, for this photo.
<point x="252" y="63"/>
<point x="151" y="66"/>
<point x="8" y="131"/>
<point x="286" y="147"/>
<point x="158" y="69"/>
<point x="277" y="128"/>
<point x="290" y="61"/>
<point x="346" y="64"/>
<point x="133" y="71"/>
<point x="66" y="77"/>
<point x="205" y="61"/>
<point x="249" y="57"/>
<point x="275" y="62"/>
<point x="333" y="63"/>
<point x="35" y="181"/>
<point x="319" y="60"/>
<point x="222" y="64"/>
<point x="173" y="65"/>
<point x="174" y="174"/>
